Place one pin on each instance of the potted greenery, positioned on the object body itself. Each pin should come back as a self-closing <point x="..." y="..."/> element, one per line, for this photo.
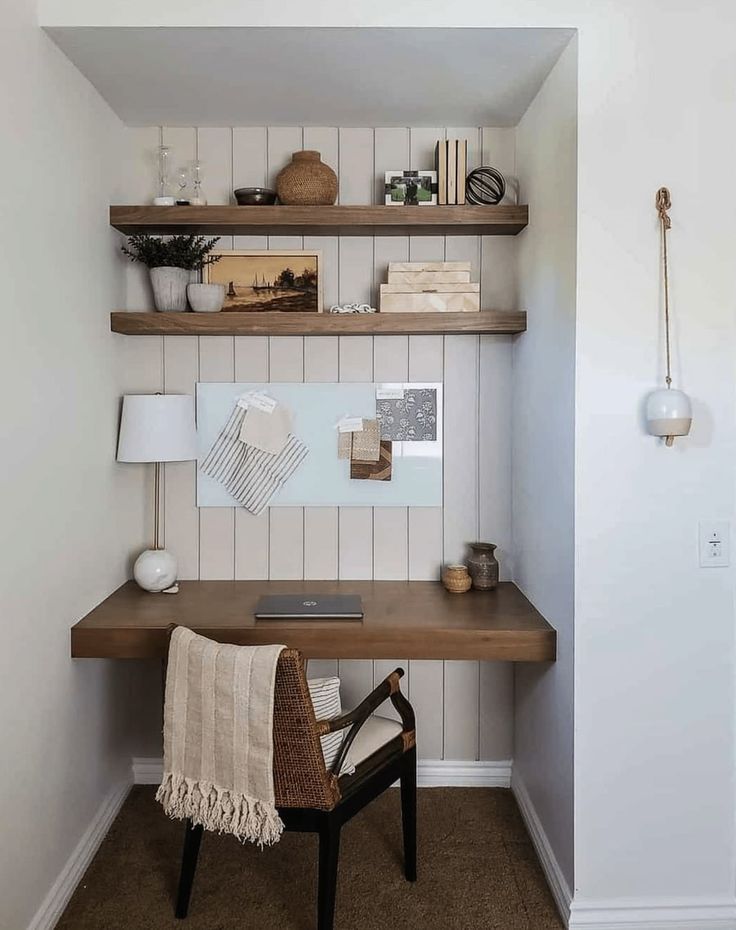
<point x="170" y="263"/>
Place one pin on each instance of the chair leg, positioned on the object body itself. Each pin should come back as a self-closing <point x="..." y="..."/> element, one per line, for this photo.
<point x="192" y="839"/>
<point x="329" y="852"/>
<point x="409" y="812"/>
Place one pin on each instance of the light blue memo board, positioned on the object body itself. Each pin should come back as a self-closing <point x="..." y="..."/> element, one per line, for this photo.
<point x="323" y="480"/>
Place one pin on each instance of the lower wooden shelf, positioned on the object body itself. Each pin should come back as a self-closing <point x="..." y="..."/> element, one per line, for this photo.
<point x="230" y="323"/>
<point x="410" y="619"/>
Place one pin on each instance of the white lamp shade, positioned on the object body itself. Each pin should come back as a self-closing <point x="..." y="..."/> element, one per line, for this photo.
<point x="157" y="428"/>
<point x="669" y="413"/>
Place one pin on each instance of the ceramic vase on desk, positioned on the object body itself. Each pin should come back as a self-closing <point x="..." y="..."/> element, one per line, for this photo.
<point x="483" y="566"/>
<point x="456" y="579"/>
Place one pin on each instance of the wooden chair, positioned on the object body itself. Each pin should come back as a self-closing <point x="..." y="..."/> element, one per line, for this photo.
<point x="374" y="754"/>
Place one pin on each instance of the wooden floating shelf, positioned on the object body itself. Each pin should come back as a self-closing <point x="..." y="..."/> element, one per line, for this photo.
<point x="503" y="220"/>
<point x="412" y="619"/>
<point x="231" y="323"/>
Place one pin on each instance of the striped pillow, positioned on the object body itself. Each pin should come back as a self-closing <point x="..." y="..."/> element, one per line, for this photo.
<point x="325" y="695"/>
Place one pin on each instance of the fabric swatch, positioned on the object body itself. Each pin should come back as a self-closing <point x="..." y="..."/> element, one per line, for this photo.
<point x="344" y="445"/>
<point x="251" y="475"/>
<point x="268" y="432"/>
<point x="411" y="418"/>
<point x="373" y="471"/>
<point x="367" y="444"/>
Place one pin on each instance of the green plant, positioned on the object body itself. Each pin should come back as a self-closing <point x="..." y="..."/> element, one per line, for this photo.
<point x="190" y="252"/>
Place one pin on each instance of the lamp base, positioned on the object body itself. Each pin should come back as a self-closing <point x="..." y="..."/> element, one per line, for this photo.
<point x="155" y="570"/>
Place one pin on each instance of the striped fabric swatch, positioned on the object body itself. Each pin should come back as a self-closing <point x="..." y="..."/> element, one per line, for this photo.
<point x="251" y="475"/>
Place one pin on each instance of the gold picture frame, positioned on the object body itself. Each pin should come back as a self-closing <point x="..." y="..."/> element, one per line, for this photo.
<point x="268" y="280"/>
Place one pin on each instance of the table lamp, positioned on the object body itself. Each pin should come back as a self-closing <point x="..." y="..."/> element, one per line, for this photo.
<point x="157" y="428"/>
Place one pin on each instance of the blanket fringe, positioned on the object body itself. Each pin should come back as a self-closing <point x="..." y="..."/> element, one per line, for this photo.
<point x="219" y="809"/>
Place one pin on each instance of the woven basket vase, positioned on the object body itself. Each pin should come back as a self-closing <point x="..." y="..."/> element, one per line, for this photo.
<point x="306" y="180"/>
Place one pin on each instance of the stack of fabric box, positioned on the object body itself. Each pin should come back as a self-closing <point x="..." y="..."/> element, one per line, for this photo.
<point x="429" y="287"/>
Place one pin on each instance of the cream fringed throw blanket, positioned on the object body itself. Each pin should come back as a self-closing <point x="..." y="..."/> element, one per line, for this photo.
<point x="218" y="737"/>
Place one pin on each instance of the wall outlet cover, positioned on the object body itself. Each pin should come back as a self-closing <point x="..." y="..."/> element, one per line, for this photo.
<point x="714" y="543"/>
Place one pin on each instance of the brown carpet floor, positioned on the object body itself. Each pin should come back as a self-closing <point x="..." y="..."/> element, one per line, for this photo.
<point x="477" y="871"/>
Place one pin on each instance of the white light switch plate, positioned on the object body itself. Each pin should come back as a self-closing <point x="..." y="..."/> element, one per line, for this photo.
<point x="714" y="539"/>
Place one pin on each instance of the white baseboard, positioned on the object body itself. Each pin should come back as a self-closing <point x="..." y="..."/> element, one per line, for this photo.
<point x="550" y="866"/>
<point x="147" y="771"/>
<point x="446" y="773"/>
<point x="52" y="907"/>
<point x="430" y="773"/>
<point x="646" y="914"/>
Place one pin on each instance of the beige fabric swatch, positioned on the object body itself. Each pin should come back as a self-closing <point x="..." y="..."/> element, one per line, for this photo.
<point x="218" y="737"/>
<point x="367" y="444"/>
<point x="344" y="445"/>
<point x="268" y="432"/>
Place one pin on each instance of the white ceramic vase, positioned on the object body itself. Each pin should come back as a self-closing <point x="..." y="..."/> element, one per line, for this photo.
<point x="206" y="298"/>
<point x="170" y="288"/>
<point x="155" y="570"/>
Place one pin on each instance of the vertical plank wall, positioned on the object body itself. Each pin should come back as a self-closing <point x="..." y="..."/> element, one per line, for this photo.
<point x="464" y="709"/>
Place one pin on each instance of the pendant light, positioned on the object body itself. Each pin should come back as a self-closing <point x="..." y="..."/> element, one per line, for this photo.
<point x="668" y="410"/>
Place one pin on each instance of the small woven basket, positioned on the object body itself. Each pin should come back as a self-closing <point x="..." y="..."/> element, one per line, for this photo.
<point x="306" y="181"/>
<point x="456" y="579"/>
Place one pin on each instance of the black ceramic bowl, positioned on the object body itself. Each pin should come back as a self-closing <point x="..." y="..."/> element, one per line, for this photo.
<point x="254" y="196"/>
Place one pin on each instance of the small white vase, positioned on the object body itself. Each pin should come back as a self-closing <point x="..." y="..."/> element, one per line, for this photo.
<point x="206" y="298"/>
<point x="170" y="288"/>
<point x="155" y="570"/>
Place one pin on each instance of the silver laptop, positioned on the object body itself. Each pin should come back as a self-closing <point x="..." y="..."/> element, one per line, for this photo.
<point x="309" y="607"/>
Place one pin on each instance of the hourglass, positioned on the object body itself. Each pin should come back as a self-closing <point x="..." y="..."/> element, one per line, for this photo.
<point x="197" y="199"/>
<point x="164" y="199"/>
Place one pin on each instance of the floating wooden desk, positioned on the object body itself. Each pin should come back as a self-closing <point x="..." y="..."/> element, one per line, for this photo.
<point x="403" y="619"/>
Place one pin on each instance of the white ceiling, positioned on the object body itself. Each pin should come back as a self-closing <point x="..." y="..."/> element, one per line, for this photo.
<point x="315" y="76"/>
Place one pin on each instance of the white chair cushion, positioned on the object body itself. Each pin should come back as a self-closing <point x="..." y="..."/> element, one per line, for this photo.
<point x="325" y="695"/>
<point x="375" y="732"/>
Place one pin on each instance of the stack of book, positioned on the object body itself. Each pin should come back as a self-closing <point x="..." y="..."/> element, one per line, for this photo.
<point x="429" y="287"/>
<point x="451" y="158"/>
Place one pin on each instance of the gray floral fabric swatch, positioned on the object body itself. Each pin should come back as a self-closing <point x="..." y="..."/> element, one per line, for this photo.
<point x="411" y="418"/>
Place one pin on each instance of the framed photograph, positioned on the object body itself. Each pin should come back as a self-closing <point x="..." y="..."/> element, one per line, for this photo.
<point x="277" y="280"/>
<point x="411" y="188"/>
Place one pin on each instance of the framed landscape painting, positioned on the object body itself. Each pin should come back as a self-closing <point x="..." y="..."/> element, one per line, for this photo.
<point x="275" y="280"/>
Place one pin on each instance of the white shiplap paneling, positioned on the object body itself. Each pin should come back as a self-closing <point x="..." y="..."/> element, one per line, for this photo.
<point x="181" y="372"/>
<point x="464" y="709"/>
<point x="321" y="533"/>
<point x="217" y="524"/>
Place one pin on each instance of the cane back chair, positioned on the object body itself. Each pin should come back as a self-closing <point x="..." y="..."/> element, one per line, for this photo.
<point x="375" y="753"/>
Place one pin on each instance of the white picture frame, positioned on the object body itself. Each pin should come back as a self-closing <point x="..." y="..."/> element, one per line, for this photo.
<point x="398" y="183"/>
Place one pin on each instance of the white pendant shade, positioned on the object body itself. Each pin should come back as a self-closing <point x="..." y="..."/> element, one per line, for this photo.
<point x="669" y="413"/>
<point x="157" y="428"/>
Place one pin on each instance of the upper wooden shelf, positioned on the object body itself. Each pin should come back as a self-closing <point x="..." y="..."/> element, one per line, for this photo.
<point x="230" y="323"/>
<point x="411" y="619"/>
<point x="505" y="220"/>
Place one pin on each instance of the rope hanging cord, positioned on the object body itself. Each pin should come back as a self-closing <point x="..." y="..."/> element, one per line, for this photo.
<point x="664" y="203"/>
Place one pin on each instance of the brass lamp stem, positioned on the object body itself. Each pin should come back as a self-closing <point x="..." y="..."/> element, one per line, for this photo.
<point x="156" y="505"/>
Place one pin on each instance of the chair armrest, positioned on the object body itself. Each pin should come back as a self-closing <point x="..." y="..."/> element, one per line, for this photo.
<point x="388" y="689"/>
